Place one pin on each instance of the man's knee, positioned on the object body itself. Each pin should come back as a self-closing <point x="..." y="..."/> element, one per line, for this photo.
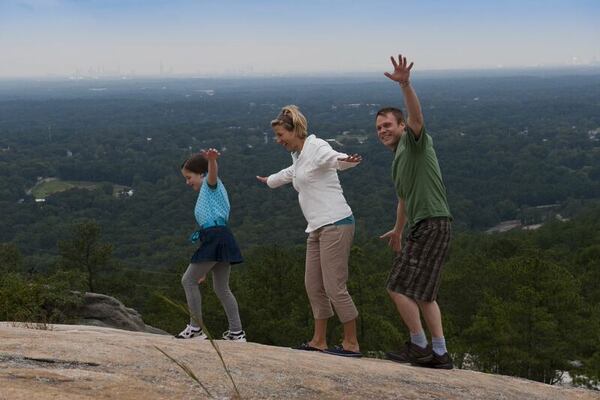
<point x="423" y="303"/>
<point x="396" y="295"/>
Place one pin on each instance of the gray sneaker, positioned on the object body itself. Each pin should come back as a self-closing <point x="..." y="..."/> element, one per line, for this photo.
<point x="234" y="336"/>
<point x="191" y="332"/>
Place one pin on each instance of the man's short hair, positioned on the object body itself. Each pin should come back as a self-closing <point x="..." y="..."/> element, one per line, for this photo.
<point x="392" y="110"/>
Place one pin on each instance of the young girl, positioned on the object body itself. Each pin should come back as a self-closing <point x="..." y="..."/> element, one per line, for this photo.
<point x="218" y="249"/>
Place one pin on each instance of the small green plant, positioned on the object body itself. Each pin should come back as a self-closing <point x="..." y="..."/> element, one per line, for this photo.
<point x="41" y="326"/>
<point x="212" y="341"/>
<point x="36" y="302"/>
<point x="187" y="370"/>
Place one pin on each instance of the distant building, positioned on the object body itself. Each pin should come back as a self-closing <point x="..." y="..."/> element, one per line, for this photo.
<point x="532" y="227"/>
<point x="123" y="193"/>
<point x="505" y="226"/>
<point x="334" y="141"/>
<point x="539" y="214"/>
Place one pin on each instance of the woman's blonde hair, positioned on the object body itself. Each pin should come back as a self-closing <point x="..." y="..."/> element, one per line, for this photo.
<point x="293" y="120"/>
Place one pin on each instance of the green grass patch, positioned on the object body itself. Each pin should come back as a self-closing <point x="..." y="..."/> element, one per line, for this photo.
<point x="48" y="188"/>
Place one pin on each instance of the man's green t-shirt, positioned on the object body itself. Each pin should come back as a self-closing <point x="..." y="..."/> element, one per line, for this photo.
<point x="418" y="179"/>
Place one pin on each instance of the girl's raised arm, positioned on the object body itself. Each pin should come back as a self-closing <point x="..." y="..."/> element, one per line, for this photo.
<point x="213" y="169"/>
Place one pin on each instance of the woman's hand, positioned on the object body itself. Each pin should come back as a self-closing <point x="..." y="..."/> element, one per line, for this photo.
<point x="262" y="179"/>
<point x="352" y="158"/>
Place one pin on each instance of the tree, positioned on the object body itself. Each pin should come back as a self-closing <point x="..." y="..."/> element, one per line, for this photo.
<point x="528" y="322"/>
<point x="10" y="258"/>
<point x="85" y="251"/>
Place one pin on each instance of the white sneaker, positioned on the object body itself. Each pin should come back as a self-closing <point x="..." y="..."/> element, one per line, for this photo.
<point x="234" y="336"/>
<point x="191" y="332"/>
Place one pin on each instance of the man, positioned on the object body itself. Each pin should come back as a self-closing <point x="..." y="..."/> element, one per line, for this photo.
<point x="415" y="277"/>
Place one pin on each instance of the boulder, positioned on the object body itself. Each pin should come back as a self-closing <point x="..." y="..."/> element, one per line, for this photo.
<point x="105" y="311"/>
<point x="67" y="362"/>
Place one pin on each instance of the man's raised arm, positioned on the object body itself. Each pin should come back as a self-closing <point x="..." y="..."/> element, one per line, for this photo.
<point x="401" y="74"/>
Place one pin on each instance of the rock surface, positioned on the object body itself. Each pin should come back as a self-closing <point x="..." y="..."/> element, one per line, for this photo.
<point x="84" y="362"/>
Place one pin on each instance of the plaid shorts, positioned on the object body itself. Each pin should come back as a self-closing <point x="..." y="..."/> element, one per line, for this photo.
<point x="416" y="271"/>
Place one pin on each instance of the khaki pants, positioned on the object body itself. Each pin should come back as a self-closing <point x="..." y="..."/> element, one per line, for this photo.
<point x="327" y="252"/>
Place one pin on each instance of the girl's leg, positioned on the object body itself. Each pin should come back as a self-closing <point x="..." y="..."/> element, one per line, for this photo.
<point x="221" y="287"/>
<point x="189" y="281"/>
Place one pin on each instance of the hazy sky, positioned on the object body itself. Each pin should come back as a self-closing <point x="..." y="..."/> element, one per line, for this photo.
<point x="234" y="38"/>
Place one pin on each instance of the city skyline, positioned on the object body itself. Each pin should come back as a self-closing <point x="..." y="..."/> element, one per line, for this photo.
<point x="41" y="38"/>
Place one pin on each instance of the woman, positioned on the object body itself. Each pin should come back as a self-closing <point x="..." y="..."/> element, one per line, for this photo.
<point x="330" y="229"/>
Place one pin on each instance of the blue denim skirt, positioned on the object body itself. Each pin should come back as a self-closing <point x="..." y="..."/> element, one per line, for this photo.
<point x="217" y="244"/>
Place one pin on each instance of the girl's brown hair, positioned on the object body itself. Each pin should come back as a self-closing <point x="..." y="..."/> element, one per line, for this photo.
<point x="196" y="164"/>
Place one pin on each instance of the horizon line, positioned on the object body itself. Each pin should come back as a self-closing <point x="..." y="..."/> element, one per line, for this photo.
<point x="114" y="75"/>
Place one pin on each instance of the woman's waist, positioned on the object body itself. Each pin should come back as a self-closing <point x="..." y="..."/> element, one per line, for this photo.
<point x="338" y="216"/>
<point x="322" y="201"/>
